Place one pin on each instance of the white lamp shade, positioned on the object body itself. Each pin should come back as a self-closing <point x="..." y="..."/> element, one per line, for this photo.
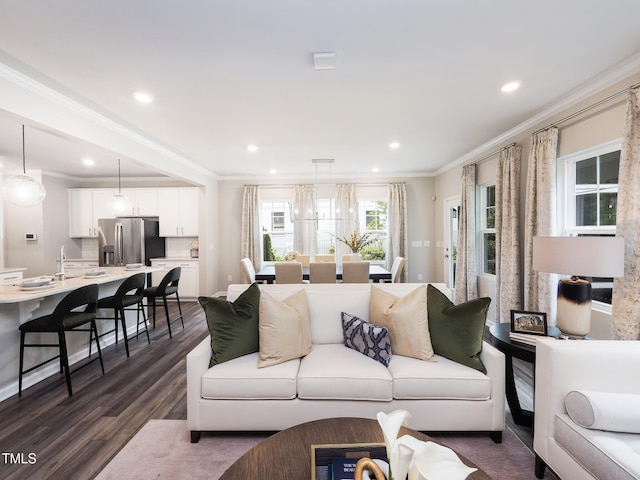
<point x="23" y="191"/>
<point x="579" y="256"/>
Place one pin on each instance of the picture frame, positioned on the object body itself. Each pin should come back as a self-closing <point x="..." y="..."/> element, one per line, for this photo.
<point x="534" y="323"/>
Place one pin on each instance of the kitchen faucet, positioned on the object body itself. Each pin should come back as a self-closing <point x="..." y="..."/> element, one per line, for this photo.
<point x="61" y="274"/>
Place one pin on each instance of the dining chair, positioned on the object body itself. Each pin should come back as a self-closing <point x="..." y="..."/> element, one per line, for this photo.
<point x="167" y="286"/>
<point x="129" y="293"/>
<point x="324" y="258"/>
<point x="303" y="259"/>
<point x="355" y="272"/>
<point x="322" y="272"/>
<point x="396" y="269"/>
<point x="288" y="272"/>
<point x="247" y="269"/>
<point x="67" y="316"/>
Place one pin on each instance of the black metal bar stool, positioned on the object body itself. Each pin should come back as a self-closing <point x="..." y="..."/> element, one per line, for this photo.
<point x="129" y="293"/>
<point x="167" y="286"/>
<point x="66" y="317"/>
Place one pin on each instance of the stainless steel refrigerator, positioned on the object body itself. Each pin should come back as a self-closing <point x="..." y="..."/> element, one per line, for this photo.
<point x="126" y="240"/>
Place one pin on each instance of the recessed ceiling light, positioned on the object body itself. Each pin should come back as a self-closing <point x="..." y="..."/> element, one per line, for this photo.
<point x="510" y="87"/>
<point x="375" y="169"/>
<point x="88" y="162"/>
<point x="394" y="145"/>
<point x="252" y="148"/>
<point x="143" y="97"/>
<point x="273" y="171"/>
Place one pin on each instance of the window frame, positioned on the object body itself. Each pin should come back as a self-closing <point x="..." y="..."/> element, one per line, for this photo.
<point x="485" y="230"/>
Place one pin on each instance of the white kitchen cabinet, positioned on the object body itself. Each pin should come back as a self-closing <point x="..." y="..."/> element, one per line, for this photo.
<point x="189" y="274"/>
<point x="144" y="201"/>
<point x="86" y="206"/>
<point x="178" y="212"/>
<point x="9" y="278"/>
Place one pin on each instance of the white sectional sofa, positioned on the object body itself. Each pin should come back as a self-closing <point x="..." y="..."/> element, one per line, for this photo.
<point x="600" y="450"/>
<point x="335" y="381"/>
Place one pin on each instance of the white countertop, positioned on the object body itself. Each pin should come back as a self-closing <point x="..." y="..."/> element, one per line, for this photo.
<point x="13" y="293"/>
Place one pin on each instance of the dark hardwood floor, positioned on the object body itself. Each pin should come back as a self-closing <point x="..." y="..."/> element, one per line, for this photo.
<point x="75" y="437"/>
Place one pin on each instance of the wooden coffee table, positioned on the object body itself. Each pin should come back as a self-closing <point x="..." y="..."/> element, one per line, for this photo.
<point x="287" y="454"/>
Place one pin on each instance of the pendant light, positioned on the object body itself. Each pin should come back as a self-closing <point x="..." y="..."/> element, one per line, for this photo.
<point x="23" y="190"/>
<point x="120" y="204"/>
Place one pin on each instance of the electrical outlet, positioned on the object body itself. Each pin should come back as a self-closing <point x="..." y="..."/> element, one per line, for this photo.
<point x="419" y="276"/>
<point x="230" y="278"/>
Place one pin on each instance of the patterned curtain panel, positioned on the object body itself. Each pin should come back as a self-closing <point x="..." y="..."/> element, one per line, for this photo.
<point x="348" y="216"/>
<point x="540" y="220"/>
<point x="397" y="236"/>
<point x="251" y="237"/>
<point x="508" y="288"/>
<point x="626" y="290"/>
<point x="305" y="225"/>
<point x="466" y="275"/>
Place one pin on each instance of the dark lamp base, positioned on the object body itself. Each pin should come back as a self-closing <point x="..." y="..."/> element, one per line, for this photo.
<point x="574" y="307"/>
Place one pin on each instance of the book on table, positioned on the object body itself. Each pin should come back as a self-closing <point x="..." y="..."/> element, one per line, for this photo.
<point x="526" y="338"/>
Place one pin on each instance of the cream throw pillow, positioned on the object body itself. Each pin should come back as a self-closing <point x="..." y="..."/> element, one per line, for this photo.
<point x="406" y="319"/>
<point x="284" y="328"/>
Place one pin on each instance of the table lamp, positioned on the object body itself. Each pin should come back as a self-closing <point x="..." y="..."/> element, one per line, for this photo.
<point x="578" y="257"/>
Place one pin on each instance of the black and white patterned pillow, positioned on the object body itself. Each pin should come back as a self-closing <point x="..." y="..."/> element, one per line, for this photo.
<point x="370" y="340"/>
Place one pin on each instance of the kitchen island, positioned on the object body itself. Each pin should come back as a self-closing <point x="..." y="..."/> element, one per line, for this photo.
<point x="18" y="306"/>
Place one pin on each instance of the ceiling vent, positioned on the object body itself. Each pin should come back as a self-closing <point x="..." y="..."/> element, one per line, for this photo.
<point x="324" y="60"/>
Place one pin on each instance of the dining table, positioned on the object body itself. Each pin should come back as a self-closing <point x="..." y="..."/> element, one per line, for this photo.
<point x="377" y="273"/>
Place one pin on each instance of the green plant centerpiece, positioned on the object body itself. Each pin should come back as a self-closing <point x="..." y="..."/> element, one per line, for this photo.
<point x="356" y="242"/>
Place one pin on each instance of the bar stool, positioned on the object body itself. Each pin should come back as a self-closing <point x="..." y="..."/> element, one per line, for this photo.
<point x="167" y="286"/>
<point x="65" y="318"/>
<point x="121" y="302"/>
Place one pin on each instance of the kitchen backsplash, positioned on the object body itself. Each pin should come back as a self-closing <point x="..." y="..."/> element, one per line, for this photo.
<point x="176" y="247"/>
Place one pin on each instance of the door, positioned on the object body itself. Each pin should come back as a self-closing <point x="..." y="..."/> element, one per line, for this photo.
<point x="451" y="216"/>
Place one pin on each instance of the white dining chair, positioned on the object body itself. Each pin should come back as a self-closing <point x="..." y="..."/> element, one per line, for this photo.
<point x="396" y="269"/>
<point x="248" y="270"/>
<point x="324" y="258"/>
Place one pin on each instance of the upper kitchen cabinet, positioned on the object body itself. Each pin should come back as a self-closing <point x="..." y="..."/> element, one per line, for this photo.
<point x="86" y="206"/>
<point x="178" y="212"/>
<point x="144" y="201"/>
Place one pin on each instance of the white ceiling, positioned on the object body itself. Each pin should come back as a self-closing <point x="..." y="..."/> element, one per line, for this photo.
<point x="226" y="74"/>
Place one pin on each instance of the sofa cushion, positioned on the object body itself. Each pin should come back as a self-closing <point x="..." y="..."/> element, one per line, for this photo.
<point x="335" y="372"/>
<point x="370" y="340"/>
<point x="457" y="330"/>
<point x="406" y="319"/>
<point x="445" y="379"/>
<point x="233" y="325"/>
<point x="603" y="454"/>
<point x="241" y="379"/>
<point x="284" y="328"/>
<point x="616" y="412"/>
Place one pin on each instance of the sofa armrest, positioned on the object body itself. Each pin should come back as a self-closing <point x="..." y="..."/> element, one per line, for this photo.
<point x="197" y="364"/>
<point x="566" y="365"/>
<point x="494" y="361"/>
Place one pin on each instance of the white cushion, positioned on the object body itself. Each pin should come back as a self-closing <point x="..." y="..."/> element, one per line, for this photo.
<point x="335" y="372"/>
<point x="241" y="378"/>
<point x="616" y="412"/>
<point x="444" y="379"/>
<point x="327" y="304"/>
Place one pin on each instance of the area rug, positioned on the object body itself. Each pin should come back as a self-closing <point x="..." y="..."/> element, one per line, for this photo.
<point x="162" y="450"/>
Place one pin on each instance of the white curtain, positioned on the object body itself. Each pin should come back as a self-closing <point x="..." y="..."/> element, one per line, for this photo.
<point x="508" y="289"/>
<point x="251" y="237"/>
<point x="305" y="225"/>
<point x="347" y="215"/>
<point x="397" y="237"/>
<point x="540" y="220"/>
<point x="626" y="290"/>
<point x="466" y="276"/>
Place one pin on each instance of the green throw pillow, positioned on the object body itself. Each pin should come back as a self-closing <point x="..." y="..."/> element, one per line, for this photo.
<point x="233" y="325"/>
<point x="457" y="330"/>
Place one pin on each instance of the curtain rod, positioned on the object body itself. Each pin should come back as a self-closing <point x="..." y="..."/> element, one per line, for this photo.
<point x="492" y="153"/>
<point x="586" y="109"/>
<point x="281" y="185"/>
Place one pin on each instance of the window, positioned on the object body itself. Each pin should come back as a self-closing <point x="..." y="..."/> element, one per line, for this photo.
<point x="591" y="201"/>
<point x="373" y="219"/>
<point x="488" y="228"/>
<point x="277" y="229"/>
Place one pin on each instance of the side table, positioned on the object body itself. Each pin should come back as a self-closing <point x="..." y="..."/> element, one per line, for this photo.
<point x="499" y="338"/>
